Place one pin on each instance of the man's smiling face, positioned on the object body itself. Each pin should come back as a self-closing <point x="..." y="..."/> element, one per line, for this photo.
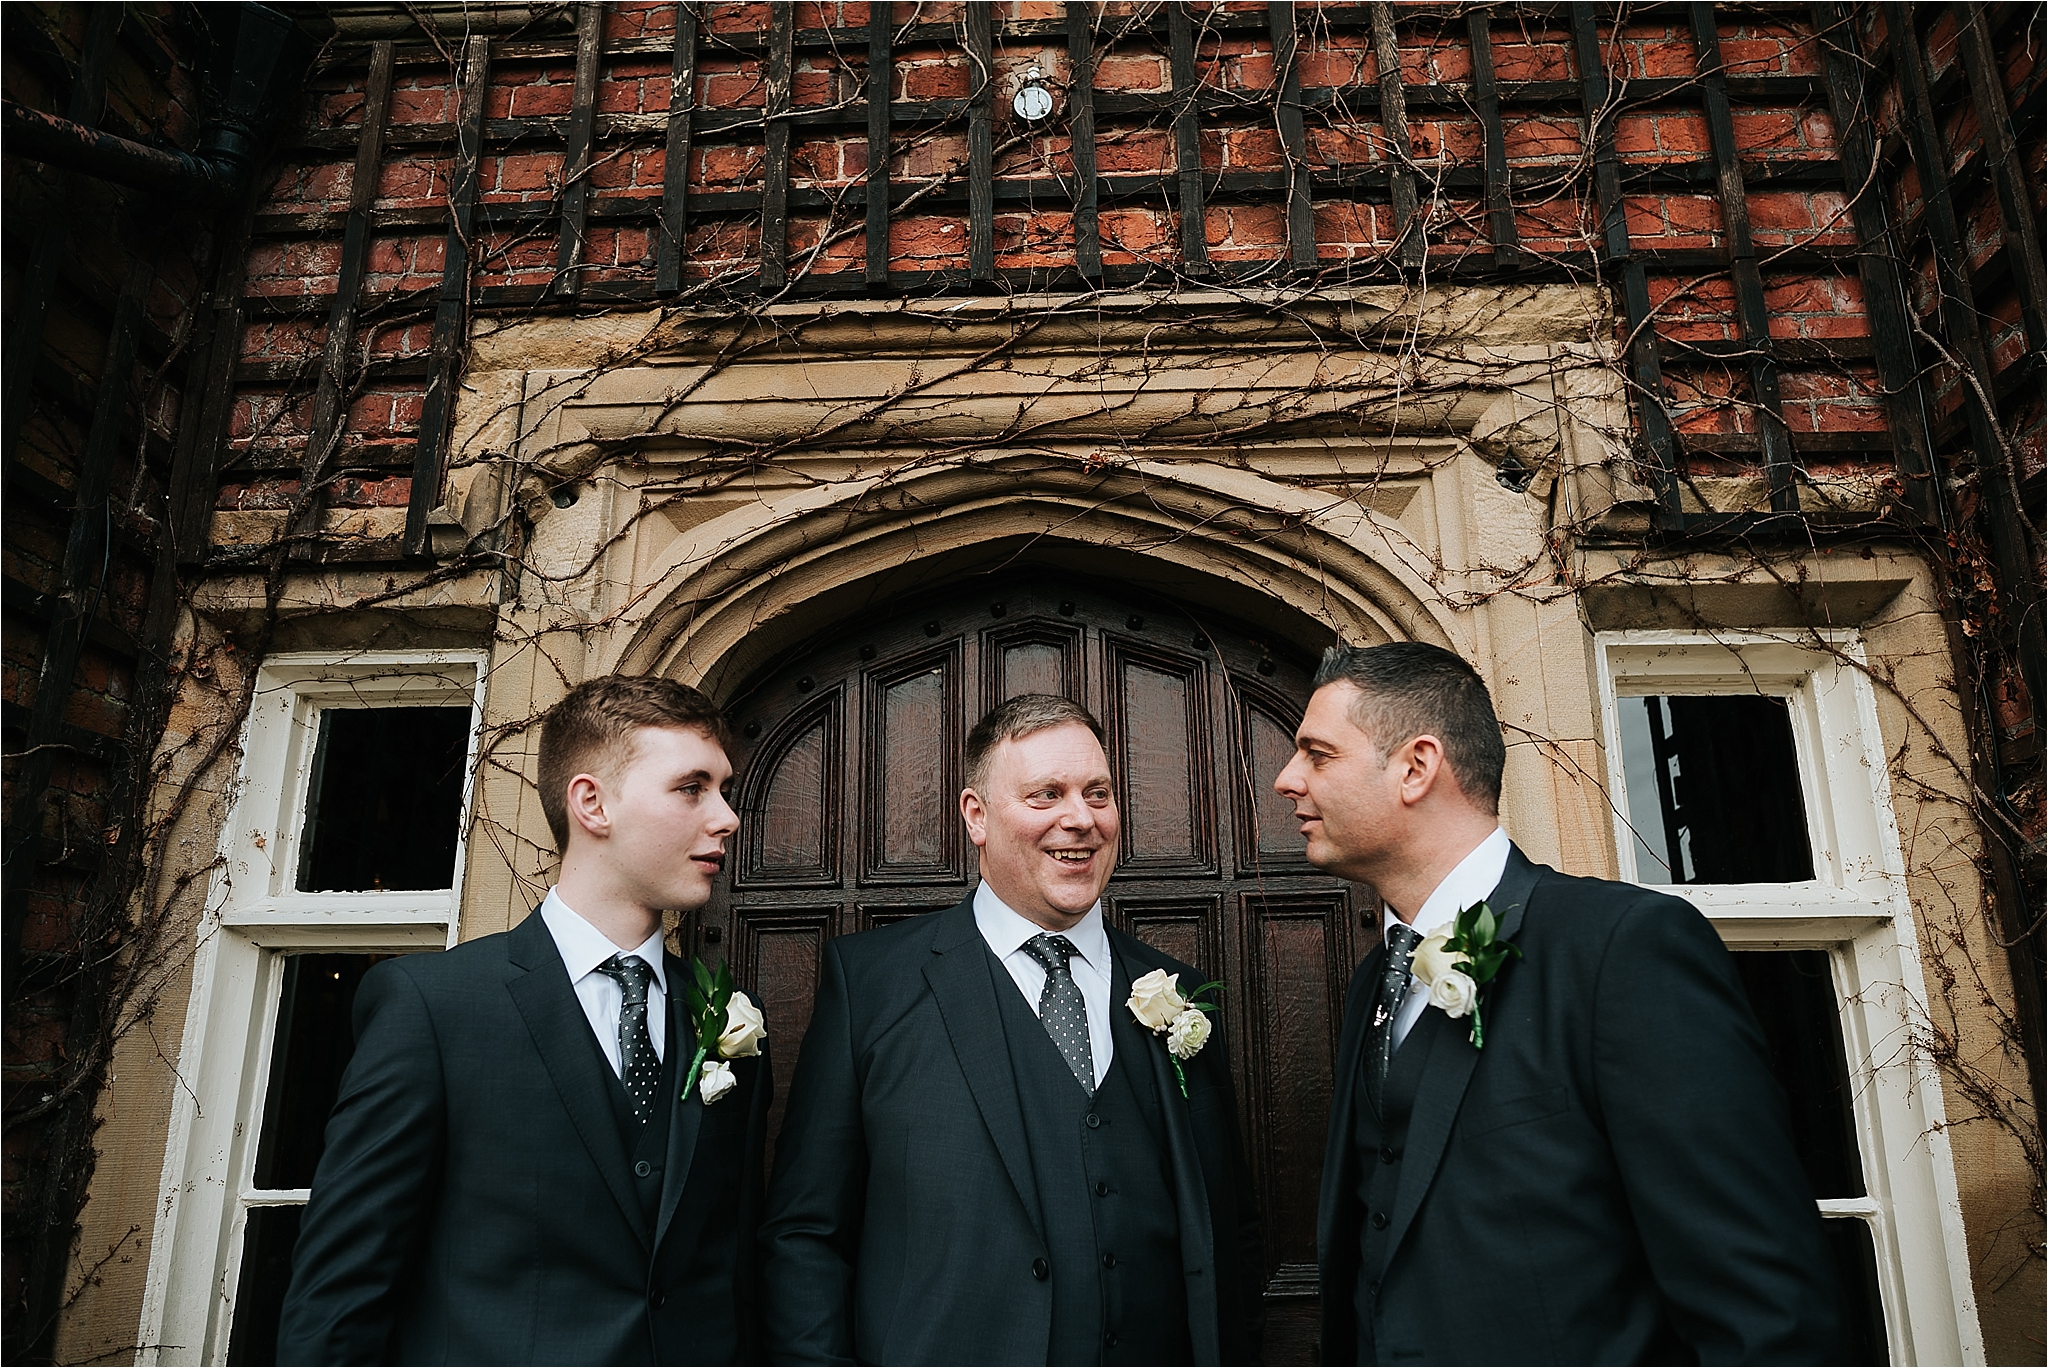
<point x="1046" y="821"/>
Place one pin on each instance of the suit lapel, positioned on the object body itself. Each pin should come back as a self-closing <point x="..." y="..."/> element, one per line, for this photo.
<point x="1451" y="1060"/>
<point x="959" y="978"/>
<point x="688" y="1117"/>
<point x="1133" y="959"/>
<point x="554" y="1018"/>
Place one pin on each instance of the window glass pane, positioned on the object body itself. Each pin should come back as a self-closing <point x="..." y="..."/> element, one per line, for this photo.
<point x="385" y="800"/>
<point x="1792" y="993"/>
<point x="1713" y="789"/>
<point x="266" y="1274"/>
<point x="1863" y="1334"/>
<point x="313" y="1045"/>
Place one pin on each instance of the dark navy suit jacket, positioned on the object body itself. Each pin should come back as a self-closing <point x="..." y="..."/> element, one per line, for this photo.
<point x="476" y="1202"/>
<point x="903" y="1219"/>
<point x="1610" y="1180"/>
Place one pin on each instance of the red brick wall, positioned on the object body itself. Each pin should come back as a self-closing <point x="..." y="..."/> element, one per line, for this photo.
<point x="1802" y="232"/>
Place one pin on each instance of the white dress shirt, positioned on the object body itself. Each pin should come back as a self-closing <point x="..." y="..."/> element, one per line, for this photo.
<point x="1006" y="931"/>
<point x="583" y="948"/>
<point x="1472" y="881"/>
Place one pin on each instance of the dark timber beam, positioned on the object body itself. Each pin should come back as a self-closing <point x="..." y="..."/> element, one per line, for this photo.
<point x="1411" y="243"/>
<point x="2013" y="546"/>
<point x="576" y="152"/>
<point x="1751" y="316"/>
<point x="1301" y="219"/>
<point x="881" y="72"/>
<point x="1500" y="208"/>
<point x="981" y="169"/>
<point x="1081" y="139"/>
<point x="675" y="175"/>
<point x="775" y="154"/>
<point x="1646" y="369"/>
<point x="438" y="410"/>
<point x="1906" y="402"/>
<point x="1187" y="139"/>
<point x="2014" y="184"/>
<point x="330" y="398"/>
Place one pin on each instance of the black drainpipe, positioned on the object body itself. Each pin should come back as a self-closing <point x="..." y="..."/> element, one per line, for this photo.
<point x="227" y="150"/>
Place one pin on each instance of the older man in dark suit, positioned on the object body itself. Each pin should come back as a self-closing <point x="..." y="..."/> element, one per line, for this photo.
<point x="1572" y="1151"/>
<point x="988" y="1157"/>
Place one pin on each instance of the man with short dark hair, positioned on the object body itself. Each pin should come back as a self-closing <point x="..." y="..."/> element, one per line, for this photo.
<point x="522" y="1165"/>
<point x="988" y="1155"/>
<point x="1555" y="1136"/>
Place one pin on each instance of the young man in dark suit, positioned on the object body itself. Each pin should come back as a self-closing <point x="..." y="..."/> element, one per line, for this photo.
<point x="517" y="1169"/>
<point x="1606" y="1174"/>
<point x="987" y="1157"/>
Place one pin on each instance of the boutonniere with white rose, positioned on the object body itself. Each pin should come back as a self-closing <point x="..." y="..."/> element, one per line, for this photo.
<point x="1157" y="1003"/>
<point x="1455" y="967"/>
<point x="727" y="1025"/>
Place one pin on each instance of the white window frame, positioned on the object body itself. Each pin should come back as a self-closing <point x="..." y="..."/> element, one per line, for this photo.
<point x="256" y="919"/>
<point x="1857" y="910"/>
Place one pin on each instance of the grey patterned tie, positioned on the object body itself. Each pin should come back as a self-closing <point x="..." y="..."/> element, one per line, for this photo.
<point x="1061" y="1009"/>
<point x="1401" y="943"/>
<point x="639" y="1068"/>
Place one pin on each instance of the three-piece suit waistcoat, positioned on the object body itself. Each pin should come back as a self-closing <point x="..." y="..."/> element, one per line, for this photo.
<point x="645" y="1142"/>
<point x="1105" y="1192"/>
<point x="1382" y="1142"/>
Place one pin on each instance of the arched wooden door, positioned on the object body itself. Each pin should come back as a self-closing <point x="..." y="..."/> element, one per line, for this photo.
<point x="850" y="773"/>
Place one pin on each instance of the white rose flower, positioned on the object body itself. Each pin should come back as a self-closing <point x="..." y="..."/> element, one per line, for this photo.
<point x="1187" y="1034"/>
<point x="1454" y="992"/>
<point x="745" y="1027"/>
<point x="1432" y="961"/>
<point x="716" y="1081"/>
<point x="1155" y="1000"/>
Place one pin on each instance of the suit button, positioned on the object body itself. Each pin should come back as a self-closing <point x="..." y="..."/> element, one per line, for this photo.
<point x="1372" y="1289"/>
<point x="642" y="1169"/>
<point x="1093" y="1120"/>
<point x="1109" y="1261"/>
<point x="658" y="1300"/>
<point x="1040" y="1269"/>
<point x="1387" y="1155"/>
<point x="1102" y="1189"/>
<point x="1109" y="1340"/>
<point x="1379" y="1220"/>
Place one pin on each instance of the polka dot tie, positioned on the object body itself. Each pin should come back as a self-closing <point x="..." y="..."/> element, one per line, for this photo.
<point x="1401" y="943"/>
<point x="639" y="1069"/>
<point x="1061" y="1009"/>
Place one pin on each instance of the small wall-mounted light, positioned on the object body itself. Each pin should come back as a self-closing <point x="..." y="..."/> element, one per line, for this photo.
<point x="1032" y="101"/>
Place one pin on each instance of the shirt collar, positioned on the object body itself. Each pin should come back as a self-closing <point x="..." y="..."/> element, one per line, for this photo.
<point x="1472" y="880"/>
<point x="584" y="947"/>
<point x="1006" y="930"/>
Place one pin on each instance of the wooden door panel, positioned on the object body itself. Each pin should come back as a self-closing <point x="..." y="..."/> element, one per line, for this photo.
<point x="866" y="726"/>
<point x="1030" y="657"/>
<point x="1189" y="929"/>
<point x="1293" y="942"/>
<point x="795" y="807"/>
<point x="1268" y="836"/>
<point x="912" y="824"/>
<point x="1158" y="728"/>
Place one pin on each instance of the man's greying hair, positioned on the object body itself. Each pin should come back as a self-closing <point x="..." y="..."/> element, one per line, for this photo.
<point x="1016" y="719"/>
<point x="1408" y="688"/>
<point x="591" y="732"/>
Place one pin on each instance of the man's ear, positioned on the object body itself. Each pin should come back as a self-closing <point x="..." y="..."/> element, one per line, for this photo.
<point x="1423" y="768"/>
<point x="975" y="813"/>
<point x="586" y="802"/>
